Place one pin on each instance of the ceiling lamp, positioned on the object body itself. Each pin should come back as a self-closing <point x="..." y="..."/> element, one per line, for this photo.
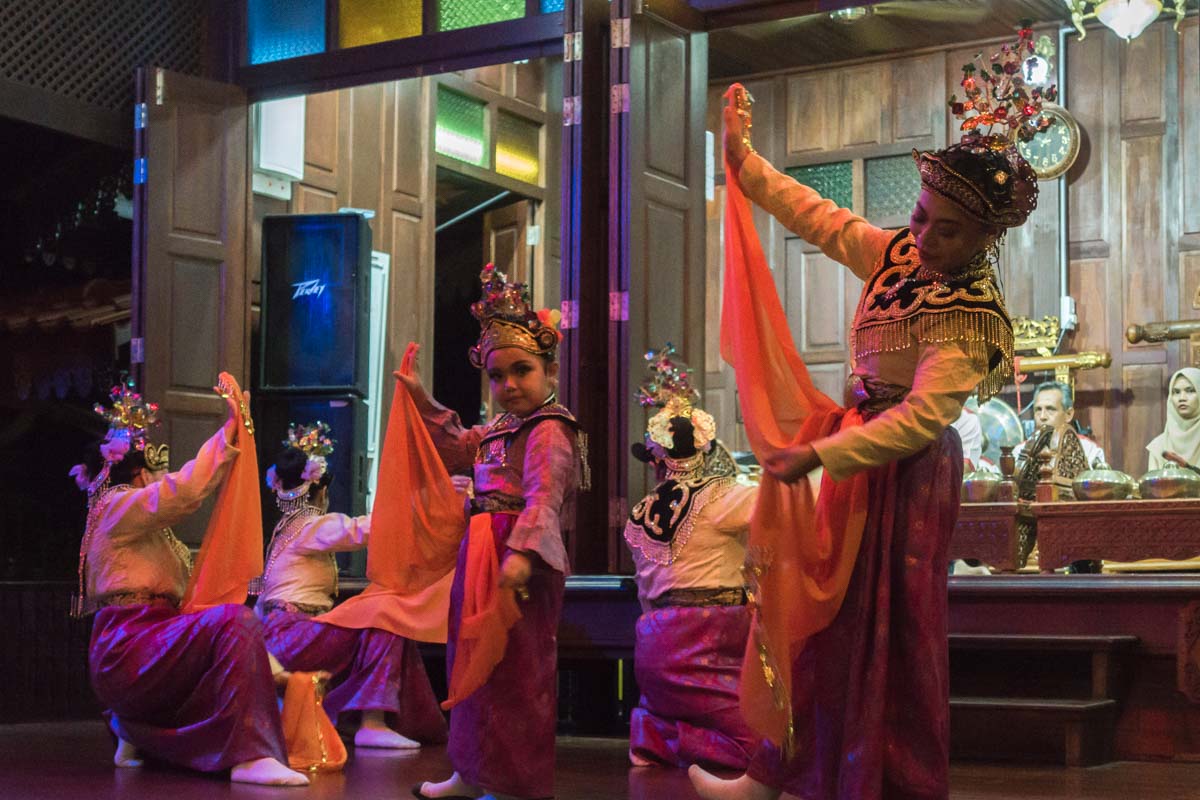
<point x="851" y="15"/>
<point x="1127" y="18"/>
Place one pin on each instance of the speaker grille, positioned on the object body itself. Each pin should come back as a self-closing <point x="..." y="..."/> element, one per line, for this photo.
<point x="87" y="50"/>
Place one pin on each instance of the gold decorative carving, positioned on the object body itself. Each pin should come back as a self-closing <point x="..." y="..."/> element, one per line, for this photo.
<point x="1036" y="336"/>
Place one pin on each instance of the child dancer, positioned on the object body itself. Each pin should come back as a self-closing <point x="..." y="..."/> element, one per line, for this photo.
<point x="192" y="689"/>
<point x="525" y="464"/>
<point x="373" y="671"/>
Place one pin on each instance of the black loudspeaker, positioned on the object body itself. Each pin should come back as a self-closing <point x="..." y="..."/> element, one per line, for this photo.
<point x="315" y="303"/>
<point x="346" y="414"/>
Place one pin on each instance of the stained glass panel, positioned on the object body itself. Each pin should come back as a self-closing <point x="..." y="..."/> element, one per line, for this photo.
<point x="456" y="14"/>
<point x="893" y="185"/>
<point x="279" y="29"/>
<point x="517" y="148"/>
<point x="834" y="181"/>
<point x="369" y="21"/>
<point x="461" y="127"/>
<point x="552" y="6"/>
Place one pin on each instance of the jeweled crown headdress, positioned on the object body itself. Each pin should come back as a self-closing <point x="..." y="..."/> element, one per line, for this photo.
<point x="668" y="387"/>
<point x="506" y="319"/>
<point x="984" y="174"/>
<point x="129" y="419"/>
<point x="317" y="444"/>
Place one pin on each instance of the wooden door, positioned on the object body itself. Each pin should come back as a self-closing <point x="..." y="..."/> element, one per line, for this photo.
<point x="505" y="240"/>
<point x="192" y="300"/>
<point x="657" y="223"/>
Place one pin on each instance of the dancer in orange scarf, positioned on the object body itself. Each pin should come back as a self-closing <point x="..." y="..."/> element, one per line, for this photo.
<point x="859" y="675"/>
<point x="190" y="687"/>
<point x="508" y="586"/>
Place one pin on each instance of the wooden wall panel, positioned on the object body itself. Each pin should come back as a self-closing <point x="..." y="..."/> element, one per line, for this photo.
<point x="666" y="71"/>
<point x="824" y="323"/>
<point x="865" y="120"/>
<point x="1144" y="386"/>
<point x="1143" y="67"/>
<point x="1144" y="253"/>
<point x="1088" y="101"/>
<point x="812" y="125"/>
<point x="917" y="97"/>
<point x="408" y="177"/>
<point x="311" y="200"/>
<point x="1189" y="125"/>
<point x="366" y="154"/>
<point x="322" y="125"/>
<point x="195" y="326"/>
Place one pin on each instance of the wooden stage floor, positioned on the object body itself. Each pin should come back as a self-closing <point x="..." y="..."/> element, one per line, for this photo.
<point x="70" y="760"/>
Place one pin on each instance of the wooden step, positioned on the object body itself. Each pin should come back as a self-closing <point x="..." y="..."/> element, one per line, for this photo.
<point x="1094" y="644"/>
<point x="1012" y="727"/>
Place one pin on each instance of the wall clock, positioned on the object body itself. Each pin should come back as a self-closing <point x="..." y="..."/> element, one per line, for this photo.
<point x="1052" y="152"/>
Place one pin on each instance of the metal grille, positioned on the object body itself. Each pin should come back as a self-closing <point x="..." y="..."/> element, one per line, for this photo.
<point x="88" y="49"/>
<point x="455" y="14"/>
<point x="833" y="181"/>
<point x="893" y="185"/>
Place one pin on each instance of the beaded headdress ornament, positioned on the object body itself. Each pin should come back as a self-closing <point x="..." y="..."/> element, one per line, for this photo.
<point x="984" y="174"/>
<point x="316" y="443"/>
<point x="506" y="319"/>
<point x="129" y="419"/>
<point x="668" y="387"/>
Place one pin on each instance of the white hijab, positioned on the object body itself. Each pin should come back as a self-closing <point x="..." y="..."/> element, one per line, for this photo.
<point x="1181" y="435"/>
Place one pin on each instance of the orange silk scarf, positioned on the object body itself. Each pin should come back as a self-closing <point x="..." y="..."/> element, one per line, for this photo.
<point x="417" y="524"/>
<point x="801" y="550"/>
<point x="313" y="744"/>
<point x="231" y="553"/>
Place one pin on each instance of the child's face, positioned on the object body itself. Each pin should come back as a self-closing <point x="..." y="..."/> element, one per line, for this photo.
<point x="520" y="381"/>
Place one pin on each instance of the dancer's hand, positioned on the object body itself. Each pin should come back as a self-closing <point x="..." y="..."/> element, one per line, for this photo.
<point x="409" y="375"/>
<point x="738" y="122"/>
<point x="791" y="463"/>
<point x="515" y="571"/>
<point x="231" y="413"/>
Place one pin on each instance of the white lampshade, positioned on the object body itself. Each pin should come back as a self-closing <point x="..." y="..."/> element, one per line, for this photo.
<point x="1128" y="18"/>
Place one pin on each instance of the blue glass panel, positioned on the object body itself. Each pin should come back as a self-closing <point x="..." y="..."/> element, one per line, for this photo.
<point x="552" y="6"/>
<point x="279" y="29"/>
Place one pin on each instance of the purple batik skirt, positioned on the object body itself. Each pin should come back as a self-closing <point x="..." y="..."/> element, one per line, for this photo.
<point x="688" y="661"/>
<point x="502" y="734"/>
<point x="870" y="693"/>
<point x="191" y="689"/>
<point x="372" y="670"/>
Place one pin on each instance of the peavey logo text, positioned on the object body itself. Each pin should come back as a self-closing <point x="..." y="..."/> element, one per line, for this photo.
<point x="313" y="288"/>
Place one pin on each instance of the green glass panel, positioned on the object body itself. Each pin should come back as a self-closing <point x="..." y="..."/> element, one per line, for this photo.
<point x="461" y="127"/>
<point x="833" y="181"/>
<point x="369" y="21"/>
<point x="893" y="185"/>
<point x="517" y="148"/>
<point x="455" y="14"/>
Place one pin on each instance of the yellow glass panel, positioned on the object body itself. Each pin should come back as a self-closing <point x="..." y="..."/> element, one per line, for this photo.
<point x="517" y="150"/>
<point x="369" y="21"/>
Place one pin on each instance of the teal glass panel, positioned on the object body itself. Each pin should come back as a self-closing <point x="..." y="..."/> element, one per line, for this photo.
<point x="893" y="185"/>
<point x="280" y="29"/>
<point x="456" y="14"/>
<point x="834" y="181"/>
<point x="552" y="6"/>
<point x="461" y="127"/>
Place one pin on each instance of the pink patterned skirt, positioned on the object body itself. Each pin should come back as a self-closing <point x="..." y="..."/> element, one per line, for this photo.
<point x="688" y="661"/>
<point x="190" y="689"/>
<point x="870" y="693"/>
<point x="373" y="670"/>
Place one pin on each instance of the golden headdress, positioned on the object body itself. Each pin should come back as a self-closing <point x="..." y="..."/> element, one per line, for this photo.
<point x="669" y="388"/>
<point x="506" y="319"/>
<point x="984" y="174"/>
<point x="317" y="444"/>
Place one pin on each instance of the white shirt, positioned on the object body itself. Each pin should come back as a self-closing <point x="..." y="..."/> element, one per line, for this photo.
<point x="301" y="572"/>
<point x="971" y="433"/>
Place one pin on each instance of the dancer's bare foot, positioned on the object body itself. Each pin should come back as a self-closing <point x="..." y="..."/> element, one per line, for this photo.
<point x="710" y="787"/>
<point x="126" y="755"/>
<point x="267" y="772"/>
<point x="454" y="786"/>
<point x="374" y="732"/>
<point x="638" y="761"/>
